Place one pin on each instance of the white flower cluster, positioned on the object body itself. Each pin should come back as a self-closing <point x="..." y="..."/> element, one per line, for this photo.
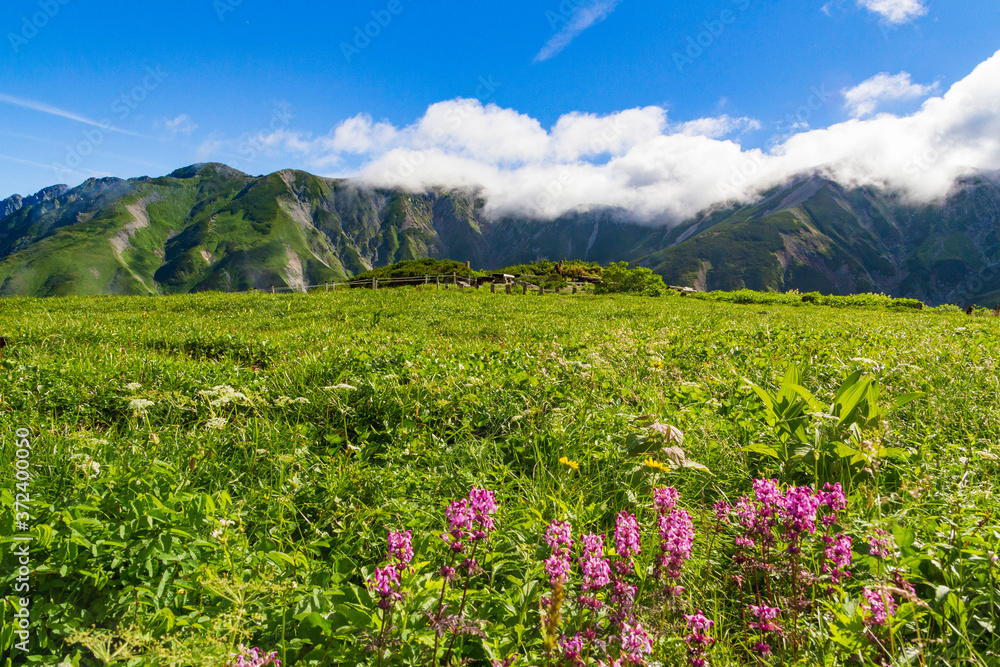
<point x="223" y="524"/>
<point x="223" y="395"/>
<point x="140" y="405"/>
<point x="283" y="401"/>
<point x="215" y="424"/>
<point x="87" y="464"/>
<point x="133" y="386"/>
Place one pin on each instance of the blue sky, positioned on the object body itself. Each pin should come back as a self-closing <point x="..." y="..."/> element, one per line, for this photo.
<point x="127" y="89"/>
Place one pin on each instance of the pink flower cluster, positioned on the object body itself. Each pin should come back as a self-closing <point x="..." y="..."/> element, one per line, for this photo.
<point x="386" y="581"/>
<point x="698" y="641"/>
<point x="837" y="556"/>
<point x="572" y="648"/>
<point x="676" y="533"/>
<point x="880" y="543"/>
<point x="796" y="511"/>
<point x="635" y="643"/>
<point x="596" y="570"/>
<point x="559" y="536"/>
<point x="879" y="605"/>
<point x="470" y="519"/>
<point x="832" y="497"/>
<point x="386" y="584"/>
<point x="400" y="547"/>
<point x="765" y="625"/>
<point x="627" y="542"/>
<point x="253" y="658"/>
<point x="665" y="499"/>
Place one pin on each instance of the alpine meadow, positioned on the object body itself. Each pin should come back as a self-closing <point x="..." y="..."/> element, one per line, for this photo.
<point x="563" y="480"/>
<point x="542" y="333"/>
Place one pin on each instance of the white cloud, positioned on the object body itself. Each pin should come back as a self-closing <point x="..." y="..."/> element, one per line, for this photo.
<point x="639" y="160"/>
<point x="895" y="11"/>
<point x="865" y="98"/>
<point x="718" y="127"/>
<point x="581" y="18"/>
<point x="42" y="107"/>
<point x="180" y="125"/>
<point x="360" y="135"/>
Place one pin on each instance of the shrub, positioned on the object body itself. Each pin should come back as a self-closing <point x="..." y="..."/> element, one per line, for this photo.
<point x="618" y="278"/>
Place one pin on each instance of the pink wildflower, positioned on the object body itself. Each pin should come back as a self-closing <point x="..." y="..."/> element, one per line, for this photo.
<point x="572" y="647"/>
<point x="483" y="505"/>
<point x="400" y="548"/>
<point x="676" y="538"/>
<point x="832" y="497"/>
<point x="798" y="511"/>
<point x="838" y="556"/>
<point x="627" y="539"/>
<point x="880" y="543"/>
<point x="253" y="658"/>
<point x="635" y="643"/>
<point x="722" y="510"/>
<point x="879" y="605"/>
<point x="596" y="568"/>
<point x="385" y="583"/>
<point x="557" y="566"/>
<point x="665" y="499"/>
<point x="460" y="517"/>
<point x="698" y="641"/>
<point x="559" y="535"/>
<point x="768" y="495"/>
<point x="764" y="615"/>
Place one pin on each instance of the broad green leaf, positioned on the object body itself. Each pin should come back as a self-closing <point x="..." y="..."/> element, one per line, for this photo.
<point x="904" y="535"/>
<point x="900" y="401"/>
<point x="758" y="448"/>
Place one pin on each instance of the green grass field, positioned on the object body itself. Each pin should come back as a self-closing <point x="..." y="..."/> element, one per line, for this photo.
<point x="207" y="471"/>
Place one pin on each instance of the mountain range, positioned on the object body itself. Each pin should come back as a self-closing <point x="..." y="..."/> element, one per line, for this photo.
<point x="211" y="227"/>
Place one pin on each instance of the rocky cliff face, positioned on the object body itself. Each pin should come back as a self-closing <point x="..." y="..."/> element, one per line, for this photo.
<point x="213" y="227"/>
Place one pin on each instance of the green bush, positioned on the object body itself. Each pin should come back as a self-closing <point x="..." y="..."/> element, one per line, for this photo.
<point x="875" y="301"/>
<point x="746" y="296"/>
<point x="862" y="301"/>
<point x="618" y="278"/>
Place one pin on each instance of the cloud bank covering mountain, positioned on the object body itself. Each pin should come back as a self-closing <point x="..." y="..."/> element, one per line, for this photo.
<point x="642" y="161"/>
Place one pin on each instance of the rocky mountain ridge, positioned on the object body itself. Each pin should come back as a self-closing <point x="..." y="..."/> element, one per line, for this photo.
<point x="213" y="227"/>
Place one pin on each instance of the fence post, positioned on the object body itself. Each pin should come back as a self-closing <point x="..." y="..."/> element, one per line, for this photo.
<point x="454" y="278"/>
<point x="427" y="278"/>
<point x="541" y="290"/>
<point x="437" y="282"/>
<point x="525" y="288"/>
<point x="493" y="288"/>
<point x="272" y="289"/>
<point x="508" y="288"/>
<point x="374" y="283"/>
<point x="574" y="289"/>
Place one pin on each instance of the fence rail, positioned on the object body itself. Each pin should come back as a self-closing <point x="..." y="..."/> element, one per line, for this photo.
<point x="524" y="282"/>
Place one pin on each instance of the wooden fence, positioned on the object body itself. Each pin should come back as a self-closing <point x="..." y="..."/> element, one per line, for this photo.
<point x="521" y="284"/>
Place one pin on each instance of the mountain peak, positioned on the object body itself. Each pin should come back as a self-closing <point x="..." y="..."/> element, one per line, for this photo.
<point x="207" y="169"/>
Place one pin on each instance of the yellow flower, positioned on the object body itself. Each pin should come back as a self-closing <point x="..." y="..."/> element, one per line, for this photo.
<point x="656" y="465"/>
<point x="656" y="364"/>
<point x="569" y="464"/>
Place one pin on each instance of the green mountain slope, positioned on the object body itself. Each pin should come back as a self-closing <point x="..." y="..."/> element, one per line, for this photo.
<point x="211" y="227"/>
<point x="815" y="235"/>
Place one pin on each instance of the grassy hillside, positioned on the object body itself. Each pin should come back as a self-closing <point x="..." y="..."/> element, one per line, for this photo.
<point x="210" y="470"/>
